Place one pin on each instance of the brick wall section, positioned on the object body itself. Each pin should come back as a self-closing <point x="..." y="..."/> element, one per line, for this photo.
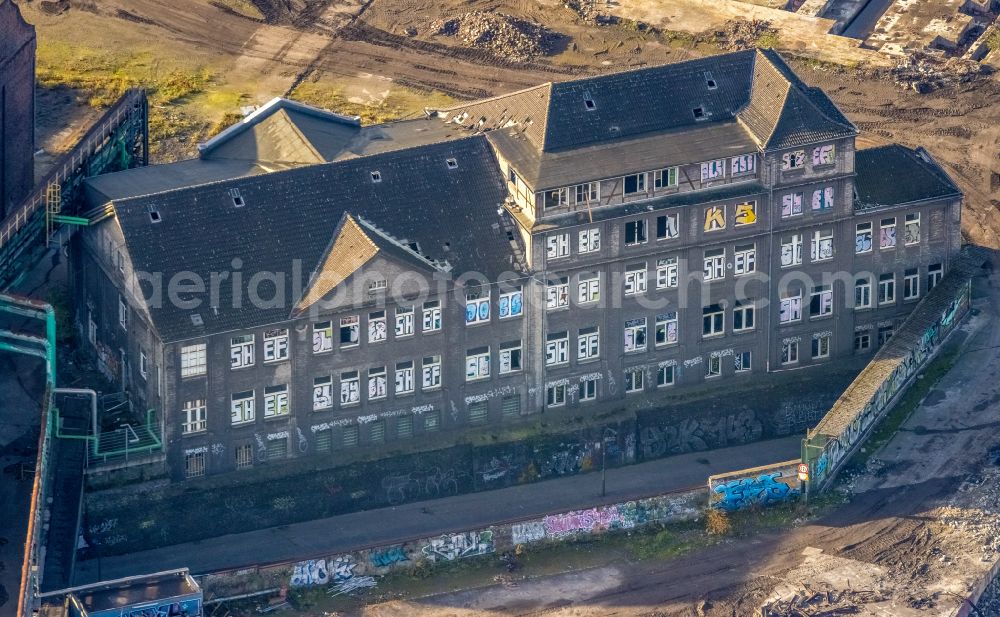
<point x="17" y="107"/>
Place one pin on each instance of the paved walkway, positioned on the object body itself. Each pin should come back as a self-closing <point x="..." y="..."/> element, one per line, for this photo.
<point x="349" y="532"/>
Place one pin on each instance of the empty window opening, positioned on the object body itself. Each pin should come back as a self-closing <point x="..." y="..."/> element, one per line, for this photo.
<point x="376" y="176"/>
<point x="415" y="247"/>
<point x="699" y="113"/>
<point x="588" y="102"/>
<point x="452" y="163"/>
<point x="710" y="81"/>
<point x="154" y="216"/>
<point x="237" y="198"/>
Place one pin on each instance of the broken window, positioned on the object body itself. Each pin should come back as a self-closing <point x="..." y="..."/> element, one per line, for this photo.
<point x="635" y="334"/>
<point x="510" y="357"/>
<point x="666" y="227"/>
<point x="122" y="313"/>
<point x="821" y="301"/>
<point x="275" y="401"/>
<point x="477" y="363"/>
<point x="350" y="331"/>
<point x="665" y="332"/>
<point x="884" y="334"/>
<point x="635" y="232"/>
<point x="793" y="160"/>
<point x="934" y="274"/>
<point x="743" y="362"/>
<point x="557" y="198"/>
<point x="588" y="390"/>
<point x="555" y="395"/>
<point x="635" y="183"/>
<point x="557" y="348"/>
<point x="714" y="366"/>
<point x="862" y="341"/>
<point x="713" y="170"/>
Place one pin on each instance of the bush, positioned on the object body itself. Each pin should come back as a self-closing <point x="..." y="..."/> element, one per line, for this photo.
<point x="717" y="523"/>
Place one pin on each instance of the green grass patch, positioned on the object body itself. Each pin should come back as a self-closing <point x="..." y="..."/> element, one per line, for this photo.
<point x="400" y="103"/>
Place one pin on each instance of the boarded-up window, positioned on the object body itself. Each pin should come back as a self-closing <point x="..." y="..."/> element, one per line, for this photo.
<point x="511" y="406"/>
<point x="477" y="413"/>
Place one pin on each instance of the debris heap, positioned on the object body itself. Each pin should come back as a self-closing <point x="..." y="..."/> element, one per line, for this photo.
<point x="925" y="73"/>
<point x="501" y="35"/>
<point x="739" y="34"/>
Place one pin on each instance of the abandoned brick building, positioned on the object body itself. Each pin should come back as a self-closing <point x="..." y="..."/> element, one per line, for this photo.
<point x="17" y="106"/>
<point x="633" y="235"/>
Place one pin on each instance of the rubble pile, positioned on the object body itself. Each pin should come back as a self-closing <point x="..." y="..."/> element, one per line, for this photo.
<point x="501" y="35"/>
<point x="809" y="601"/>
<point x="989" y="602"/>
<point x="924" y="73"/>
<point x="739" y="34"/>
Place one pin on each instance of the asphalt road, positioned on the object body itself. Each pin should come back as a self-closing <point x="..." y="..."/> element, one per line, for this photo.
<point x="349" y="532"/>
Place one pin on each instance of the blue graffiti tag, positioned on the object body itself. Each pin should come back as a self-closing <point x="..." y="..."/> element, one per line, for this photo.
<point x="388" y="557"/>
<point x="763" y="490"/>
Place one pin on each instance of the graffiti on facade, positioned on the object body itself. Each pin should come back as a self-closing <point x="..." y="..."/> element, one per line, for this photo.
<point x="311" y="572"/>
<point x="459" y="545"/>
<point x="388" y="557"/>
<point x="183" y="608"/>
<point x="761" y="490"/>
<point x="694" y="434"/>
<point x="435" y="482"/>
<point x="494" y="393"/>
<point x="342" y="568"/>
<point x="526" y="533"/>
<point x="594" y="519"/>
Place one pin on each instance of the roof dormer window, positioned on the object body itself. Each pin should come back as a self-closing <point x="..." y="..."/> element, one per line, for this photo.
<point x="699" y="113"/>
<point x="237" y="198"/>
<point x="710" y="81"/>
<point x="376" y="176"/>
<point x="588" y="102"/>
<point x="452" y="163"/>
<point x="154" y="216"/>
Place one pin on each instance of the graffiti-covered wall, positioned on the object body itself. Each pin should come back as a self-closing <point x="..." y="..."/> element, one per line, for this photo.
<point x="758" y="487"/>
<point x="360" y="569"/>
<point x="873" y="393"/>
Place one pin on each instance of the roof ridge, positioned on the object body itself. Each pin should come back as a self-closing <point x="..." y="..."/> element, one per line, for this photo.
<point x="491" y="98"/>
<point x="801" y="88"/>
<point x="371" y="226"/>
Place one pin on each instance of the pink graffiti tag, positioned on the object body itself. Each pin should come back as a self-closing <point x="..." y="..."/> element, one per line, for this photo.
<point x="582" y="520"/>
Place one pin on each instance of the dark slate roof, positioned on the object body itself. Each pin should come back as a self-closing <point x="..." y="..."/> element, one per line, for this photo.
<point x="783" y="112"/>
<point x="894" y="175"/>
<point x="545" y="170"/>
<point x="292" y="215"/>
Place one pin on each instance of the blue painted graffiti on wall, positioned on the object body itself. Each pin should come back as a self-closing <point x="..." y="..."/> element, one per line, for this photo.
<point x="766" y="489"/>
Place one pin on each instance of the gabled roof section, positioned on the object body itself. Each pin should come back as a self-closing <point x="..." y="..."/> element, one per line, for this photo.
<point x="287" y="222"/>
<point x="894" y="175"/>
<point x="284" y="131"/>
<point x="525" y="111"/>
<point x="783" y="112"/>
<point x="351" y="249"/>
